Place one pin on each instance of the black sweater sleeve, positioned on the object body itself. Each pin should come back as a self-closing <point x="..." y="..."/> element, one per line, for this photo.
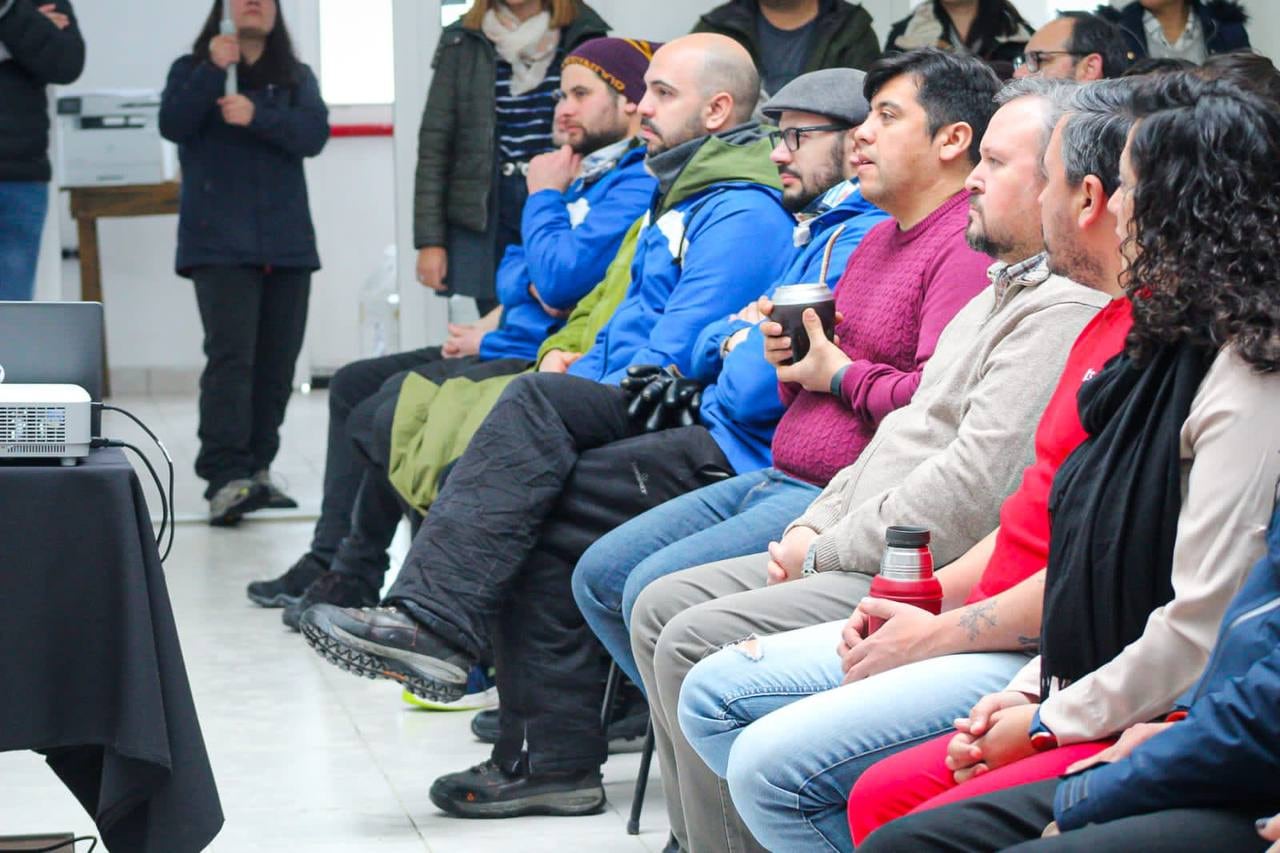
<point x="48" y="54"/>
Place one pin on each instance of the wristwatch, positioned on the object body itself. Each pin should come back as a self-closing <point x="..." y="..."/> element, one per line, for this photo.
<point x="1042" y="739"/>
<point x="809" y="566"/>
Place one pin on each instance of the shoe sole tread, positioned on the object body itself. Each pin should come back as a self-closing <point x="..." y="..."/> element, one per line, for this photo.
<point x="372" y="666"/>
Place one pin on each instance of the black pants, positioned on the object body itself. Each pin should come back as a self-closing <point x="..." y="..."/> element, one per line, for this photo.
<point x="352" y="385"/>
<point x="376" y="508"/>
<point x="253" y="321"/>
<point x="1013" y="819"/>
<point x="556" y="465"/>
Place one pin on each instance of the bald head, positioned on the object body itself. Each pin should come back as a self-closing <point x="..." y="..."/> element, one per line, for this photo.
<point x="697" y="85"/>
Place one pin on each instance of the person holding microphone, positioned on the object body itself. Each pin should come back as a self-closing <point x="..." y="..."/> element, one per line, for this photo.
<point x="245" y="237"/>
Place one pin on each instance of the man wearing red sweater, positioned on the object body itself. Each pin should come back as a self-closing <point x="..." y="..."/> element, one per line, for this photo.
<point x="915" y="674"/>
<point x="1004" y="600"/>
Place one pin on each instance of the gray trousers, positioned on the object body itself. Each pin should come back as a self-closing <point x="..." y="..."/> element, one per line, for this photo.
<point x="680" y="619"/>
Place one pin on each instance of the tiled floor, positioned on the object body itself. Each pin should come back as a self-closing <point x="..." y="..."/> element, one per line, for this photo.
<point x="306" y="756"/>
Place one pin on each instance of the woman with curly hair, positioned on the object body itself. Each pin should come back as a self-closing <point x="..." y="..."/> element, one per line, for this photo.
<point x="1159" y="514"/>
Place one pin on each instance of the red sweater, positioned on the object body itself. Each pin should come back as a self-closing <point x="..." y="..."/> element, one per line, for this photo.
<point x="1022" y="545"/>
<point x="897" y="293"/>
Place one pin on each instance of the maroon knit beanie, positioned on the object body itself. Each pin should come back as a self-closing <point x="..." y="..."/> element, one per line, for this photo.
<point x="619" y="62"/>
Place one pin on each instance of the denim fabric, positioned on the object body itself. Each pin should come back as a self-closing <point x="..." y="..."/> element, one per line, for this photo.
<point x="774" y="721"/>
<point x="23" y="205"/>
<point x="729" y="519"/>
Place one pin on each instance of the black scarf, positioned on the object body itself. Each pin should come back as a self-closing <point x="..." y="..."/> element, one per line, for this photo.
<point x="1114" y="511"/>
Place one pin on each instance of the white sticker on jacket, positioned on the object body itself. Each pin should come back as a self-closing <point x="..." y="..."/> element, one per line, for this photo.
<point x="671" y="224"/>
<point x="578" y="211"/>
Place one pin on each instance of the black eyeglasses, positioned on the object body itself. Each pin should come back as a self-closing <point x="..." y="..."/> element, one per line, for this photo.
<point x="791" y="136"/>
<point x="1035" y="59"/>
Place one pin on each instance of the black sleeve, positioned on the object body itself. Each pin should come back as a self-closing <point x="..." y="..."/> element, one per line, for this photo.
<point x="302" y="128"/>
<point x="47" y="53"/>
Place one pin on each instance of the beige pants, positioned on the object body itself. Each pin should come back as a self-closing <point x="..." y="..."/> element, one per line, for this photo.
<point x="680" y="619"/>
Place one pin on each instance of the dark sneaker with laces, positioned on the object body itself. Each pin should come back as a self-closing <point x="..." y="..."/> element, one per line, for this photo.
<point x="489" y="790"/>
<point x="230" y="503"/>
<point x="276" y="498"/>
<point x="289" y="587"/>
<point x="383" y="642"/>
<point x="338" y="588"/>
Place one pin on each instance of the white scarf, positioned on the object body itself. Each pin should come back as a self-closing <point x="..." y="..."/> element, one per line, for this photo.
<point x="529" y="46"/>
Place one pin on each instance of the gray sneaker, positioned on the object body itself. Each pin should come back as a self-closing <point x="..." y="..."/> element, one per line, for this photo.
<point x="229" y="504"/>
<point x="276" y="498"/>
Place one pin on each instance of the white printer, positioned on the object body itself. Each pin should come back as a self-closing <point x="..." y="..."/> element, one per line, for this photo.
<point x="112" y="137"/>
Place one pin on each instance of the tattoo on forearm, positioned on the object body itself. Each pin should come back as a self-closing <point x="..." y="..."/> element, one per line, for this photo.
<point x="1029" y="644"/>
<point x="979" y="617"/>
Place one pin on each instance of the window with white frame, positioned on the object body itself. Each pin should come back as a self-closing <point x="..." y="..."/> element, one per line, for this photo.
<point x="357" y="57"/>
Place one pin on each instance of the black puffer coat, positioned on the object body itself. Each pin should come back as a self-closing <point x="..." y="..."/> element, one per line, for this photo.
<point x="39" y="54"/>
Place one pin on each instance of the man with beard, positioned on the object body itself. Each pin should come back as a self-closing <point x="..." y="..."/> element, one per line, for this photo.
<point x="559" y="460"/>
<point x="582" y="199"/>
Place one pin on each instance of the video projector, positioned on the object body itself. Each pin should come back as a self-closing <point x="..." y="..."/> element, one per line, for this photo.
<point x="44" y="422"/>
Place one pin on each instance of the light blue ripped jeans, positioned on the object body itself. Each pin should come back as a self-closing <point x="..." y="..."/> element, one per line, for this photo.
<point x="775" y="722"/>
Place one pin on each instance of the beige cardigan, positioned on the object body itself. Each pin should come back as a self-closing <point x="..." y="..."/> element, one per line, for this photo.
<point x="1230" y="447"/>
<point x="950" y="457"/>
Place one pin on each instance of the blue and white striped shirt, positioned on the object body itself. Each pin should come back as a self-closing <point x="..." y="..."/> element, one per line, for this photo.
<point x="524" y="121"/>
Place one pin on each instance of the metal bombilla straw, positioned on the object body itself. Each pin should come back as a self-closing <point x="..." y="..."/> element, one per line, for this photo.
<point x="228" y="28"/>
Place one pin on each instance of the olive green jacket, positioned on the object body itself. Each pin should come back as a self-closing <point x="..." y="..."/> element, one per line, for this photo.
<point x="433" y="423"/>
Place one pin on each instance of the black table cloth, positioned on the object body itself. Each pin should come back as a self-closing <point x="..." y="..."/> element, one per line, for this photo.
<point x="91" y="673"/>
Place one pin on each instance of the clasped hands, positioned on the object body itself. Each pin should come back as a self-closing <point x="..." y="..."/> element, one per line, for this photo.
<point x="661" y="397"/>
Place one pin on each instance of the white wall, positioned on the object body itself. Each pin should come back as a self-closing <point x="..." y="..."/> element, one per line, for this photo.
<point x="361" y="189"/>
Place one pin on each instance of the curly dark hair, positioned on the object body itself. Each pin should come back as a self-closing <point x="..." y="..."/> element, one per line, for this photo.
<point x="1206" y="219"/>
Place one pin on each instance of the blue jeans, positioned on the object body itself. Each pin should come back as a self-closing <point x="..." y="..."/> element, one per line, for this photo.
<point x="776" y="724"/>
<point x="733" y="518"/>
<point x="23" y="205"/>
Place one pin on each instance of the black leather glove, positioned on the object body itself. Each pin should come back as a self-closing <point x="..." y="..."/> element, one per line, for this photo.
<point x="661" y="398"/>
<point x="638" y="377"/>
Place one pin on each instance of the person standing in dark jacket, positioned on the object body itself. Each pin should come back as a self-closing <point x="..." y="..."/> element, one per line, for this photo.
<point x="991" y="30"/>
<point x="39" y="45"/>
<point x="787" y="38"/>
<point x="488" y="113"/>
<point x="245" y="238"/>
<point x="1181" y="29"/>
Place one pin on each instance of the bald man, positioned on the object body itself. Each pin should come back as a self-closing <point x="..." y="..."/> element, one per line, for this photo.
<point x="560" y="460"/>
<point x="1075" y="46"/>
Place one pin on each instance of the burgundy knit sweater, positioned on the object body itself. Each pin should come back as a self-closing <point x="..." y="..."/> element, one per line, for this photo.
<point x="898" y="291"/>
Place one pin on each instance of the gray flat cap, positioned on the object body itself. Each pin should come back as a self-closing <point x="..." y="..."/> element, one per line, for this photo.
<point x="834" y="92"/>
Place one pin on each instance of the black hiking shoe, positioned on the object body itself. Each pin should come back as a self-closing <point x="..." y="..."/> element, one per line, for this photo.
<point x="336" y="588"/>
<point x="383" y="642"/>
<point x="489" y="790"/>
<point x="289" y="587"/>
<point x="230" y="503"/>
<point x="276" y="498"/>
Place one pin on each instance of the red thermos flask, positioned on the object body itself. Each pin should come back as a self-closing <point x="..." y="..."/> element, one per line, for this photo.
<point x="906" y="572"/>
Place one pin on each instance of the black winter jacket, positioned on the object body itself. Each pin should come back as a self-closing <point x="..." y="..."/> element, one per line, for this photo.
<point x="39" y="54"/>
<point x="244" y="195"/>
<point x="1222" y="21"/>
<point x="457" y="139"/>
<point x="844" y="37"/>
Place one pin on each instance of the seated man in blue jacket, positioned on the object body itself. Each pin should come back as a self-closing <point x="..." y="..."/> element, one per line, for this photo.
<point x="582" y="199"/>
<point x="1198" y="780"/>
<point x="559" y="460"/>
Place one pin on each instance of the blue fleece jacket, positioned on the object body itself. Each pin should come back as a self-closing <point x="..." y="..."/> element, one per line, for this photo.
<point x="740" y="405"/>
<point x="568" y="239"/>
<point x="1227" y="750"/>
<point x="717" y="240"/>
